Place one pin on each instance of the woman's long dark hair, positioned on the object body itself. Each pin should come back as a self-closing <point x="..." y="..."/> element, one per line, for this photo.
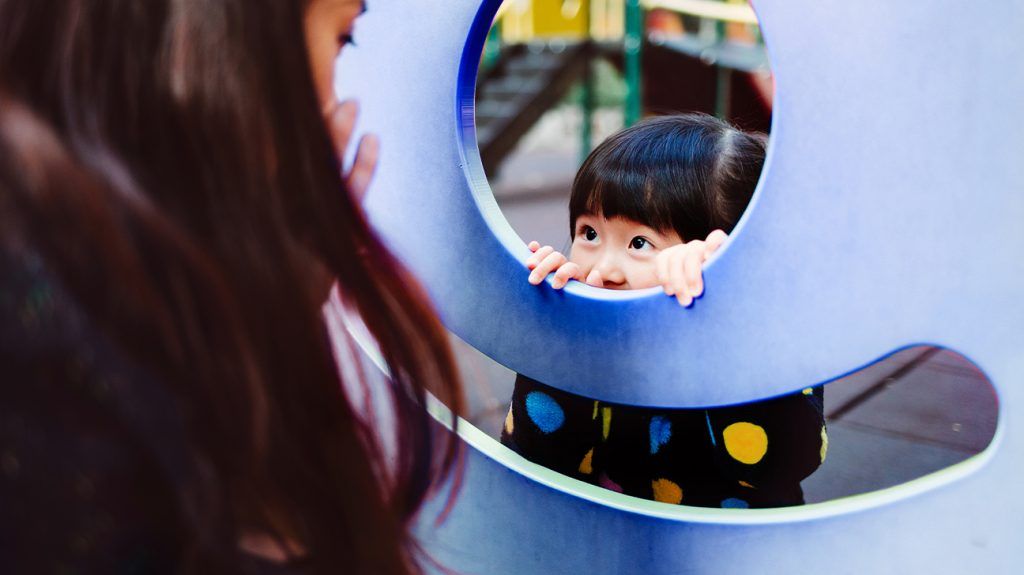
<point x="691" y="173"/>
<point x="169" y="161"/>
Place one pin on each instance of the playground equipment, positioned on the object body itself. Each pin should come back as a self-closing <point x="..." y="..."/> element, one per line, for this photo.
<point x="537" y="50"/>
<point x="883" y="219"/>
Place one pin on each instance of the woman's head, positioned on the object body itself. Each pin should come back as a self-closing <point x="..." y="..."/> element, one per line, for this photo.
<point x="169" y="161"/>
<point x="330" y="26"/>
<point x="664" y="181"/>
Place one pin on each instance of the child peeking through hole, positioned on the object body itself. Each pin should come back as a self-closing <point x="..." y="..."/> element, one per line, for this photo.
<point x="648" y="207"/>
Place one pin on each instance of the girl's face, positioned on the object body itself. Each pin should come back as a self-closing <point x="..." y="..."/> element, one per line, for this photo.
<point x="622" y="251"/>
<point x="329" y="27"/>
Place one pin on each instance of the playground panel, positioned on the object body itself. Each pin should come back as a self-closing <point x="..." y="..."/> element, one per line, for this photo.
<point x="883" y="220"/>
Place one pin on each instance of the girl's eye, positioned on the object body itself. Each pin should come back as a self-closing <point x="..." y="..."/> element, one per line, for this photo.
<point x="639" y="243"/>
<point x="346" y="39"/>
<point x="589" y="233"/>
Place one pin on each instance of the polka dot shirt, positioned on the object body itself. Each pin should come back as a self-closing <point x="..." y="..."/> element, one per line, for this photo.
<point x="746" y="456"/>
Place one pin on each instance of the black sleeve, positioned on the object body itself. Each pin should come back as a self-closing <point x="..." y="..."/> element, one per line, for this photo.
<point x="551" y="427"/>
<point x="772" y="444"/>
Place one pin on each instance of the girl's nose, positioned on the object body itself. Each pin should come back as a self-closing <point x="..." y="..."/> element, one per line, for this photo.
<point x="609" y="273"/>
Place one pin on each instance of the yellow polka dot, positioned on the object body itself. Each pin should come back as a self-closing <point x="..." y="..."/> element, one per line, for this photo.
<point x="746" y="442"/>
<point x="509" y="424"/>
<point x="808" y="391"/>
<point x="594" y="416"/>
<point x="587" y="465"/>
<point x="824" y="443"/>
<point x="747" y="485"/>
<point x="667" y="491"/>
<point x="606" y="421"/>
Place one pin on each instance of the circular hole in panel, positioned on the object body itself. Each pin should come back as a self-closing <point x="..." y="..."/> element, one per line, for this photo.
<point x="555" y="79"/>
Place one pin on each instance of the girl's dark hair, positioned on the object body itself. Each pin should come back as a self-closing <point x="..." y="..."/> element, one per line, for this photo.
<point x="691" y="173"/>
<point x="169" y="162"/>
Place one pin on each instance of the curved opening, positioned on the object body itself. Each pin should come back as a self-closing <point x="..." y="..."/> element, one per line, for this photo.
<point x="915" y="420"/>
<point x="545" y="82"/>
<point x="919" y="418"/>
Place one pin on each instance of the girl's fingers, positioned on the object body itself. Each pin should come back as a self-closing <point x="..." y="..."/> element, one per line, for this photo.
<point x="693" y="272"/>
<point x="549" y="264"/>
<point x="594" y="278"/>
<point x="364" y="166"/>
<point x="661" y="263"/>
<point x="565" y="273"/>
<point x="677" y="279"/>
<point x="714" y="241"/>
<point x="538" y="255"/>
<point x="680" y="268"/>
<point x="534" y="246"/>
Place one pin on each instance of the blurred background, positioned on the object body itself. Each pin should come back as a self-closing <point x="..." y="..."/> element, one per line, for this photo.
<point x="559" y="76"/>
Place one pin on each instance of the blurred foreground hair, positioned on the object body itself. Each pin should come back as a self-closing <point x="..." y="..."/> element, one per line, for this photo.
<point x="169" y="162"/>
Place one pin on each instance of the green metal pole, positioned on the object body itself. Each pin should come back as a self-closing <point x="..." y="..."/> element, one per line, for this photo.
<point x="587" y="97"/>
<point x="723" y="85"/>
<point x="632" y="45"/>
<point x="492" y="48"/>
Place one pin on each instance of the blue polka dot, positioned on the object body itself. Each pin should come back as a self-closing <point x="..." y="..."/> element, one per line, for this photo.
<point x="661" y="432"/>
<point x="734" y="503"/>
<point x="544" y="411"/>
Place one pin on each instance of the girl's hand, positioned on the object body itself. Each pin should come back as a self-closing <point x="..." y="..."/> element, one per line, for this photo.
<point x="680" y="268"/>
<point x="546" y="260"/>
<point x="341" y="120"/>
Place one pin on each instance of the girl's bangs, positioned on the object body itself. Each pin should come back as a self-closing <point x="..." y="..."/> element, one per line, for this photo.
<point x="621" y="193"/>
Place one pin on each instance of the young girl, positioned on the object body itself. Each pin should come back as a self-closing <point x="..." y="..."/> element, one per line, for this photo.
<point x="648" y="207"/>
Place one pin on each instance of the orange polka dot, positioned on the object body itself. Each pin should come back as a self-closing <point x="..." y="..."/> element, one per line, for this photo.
<point x="747" y="485"/>
<point x="746" y="442"/>
<point x="587" y="465"/>
<point x="509" y="423"/>
<point x="667" y="491"/>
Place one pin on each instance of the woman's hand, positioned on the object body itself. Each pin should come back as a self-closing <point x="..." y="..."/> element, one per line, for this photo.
<point x="546" y="260"/>
<point x="341" y="120"/>
<point x="680" y="268"/>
